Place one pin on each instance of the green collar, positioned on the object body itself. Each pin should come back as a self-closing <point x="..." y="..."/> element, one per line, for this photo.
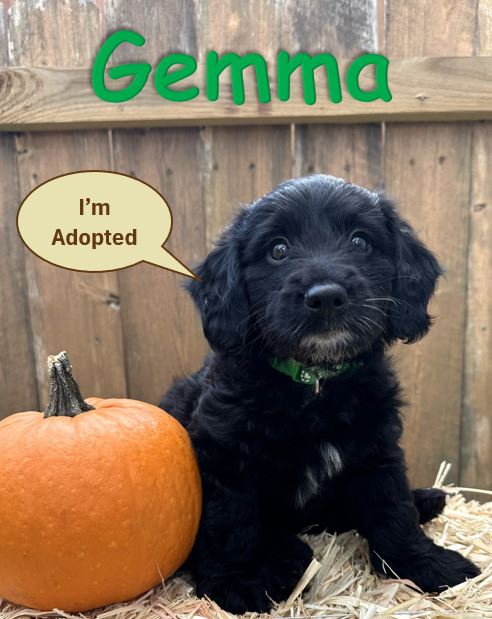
<point x="312" y="375"/>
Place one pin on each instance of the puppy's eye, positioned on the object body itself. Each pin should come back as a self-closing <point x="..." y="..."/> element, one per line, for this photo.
<point x="360" y="242"/>
<point x="279" y="250"/>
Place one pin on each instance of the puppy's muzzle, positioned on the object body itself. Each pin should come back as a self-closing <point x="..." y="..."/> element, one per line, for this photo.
<point x="325" y="300"/>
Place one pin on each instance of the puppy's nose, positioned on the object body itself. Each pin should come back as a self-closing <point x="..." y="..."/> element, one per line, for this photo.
<point x="325" y="298"/>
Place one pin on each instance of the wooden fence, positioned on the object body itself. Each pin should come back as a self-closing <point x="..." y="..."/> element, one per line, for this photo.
<point x="129" y="332"/>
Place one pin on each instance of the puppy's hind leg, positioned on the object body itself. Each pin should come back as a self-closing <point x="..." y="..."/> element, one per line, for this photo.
<point x="429" y="503"/>
<point x="383" y="505"/>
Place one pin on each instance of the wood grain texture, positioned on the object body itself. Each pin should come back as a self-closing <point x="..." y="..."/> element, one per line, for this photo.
<point x="476" y="439"/>
<point x="422" y="28"/>
<point x="353" y="153"/>
<point x="18" y="389"/>
<point x="41" y="98"/>
<point x="77" y="312"/>
<point x="161" y="329"/>
<point x="483" y="38"/>
<point x="17" y="370"/>
<point x="68" y="310"/>
<point x="243" y="163"/>
<point x="427" y="169"/>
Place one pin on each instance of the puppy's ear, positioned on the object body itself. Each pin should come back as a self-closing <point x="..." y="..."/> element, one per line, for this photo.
<point x="416" y="274"/>
<point x="219" y="294"/>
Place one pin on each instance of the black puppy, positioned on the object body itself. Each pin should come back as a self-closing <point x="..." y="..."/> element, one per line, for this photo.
<point x="295" y="415"/>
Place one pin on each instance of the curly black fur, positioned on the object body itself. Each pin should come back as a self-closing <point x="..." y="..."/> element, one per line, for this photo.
<point x="276" y="456"/>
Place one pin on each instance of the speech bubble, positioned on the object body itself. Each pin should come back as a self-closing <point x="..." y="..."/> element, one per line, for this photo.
<point x="98" y="221"/>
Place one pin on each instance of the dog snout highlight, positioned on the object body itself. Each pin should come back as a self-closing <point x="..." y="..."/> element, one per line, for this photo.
<point x="325" y="299"/>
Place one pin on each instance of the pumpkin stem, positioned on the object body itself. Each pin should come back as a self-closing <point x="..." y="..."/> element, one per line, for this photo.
<point x="65" y="397"/>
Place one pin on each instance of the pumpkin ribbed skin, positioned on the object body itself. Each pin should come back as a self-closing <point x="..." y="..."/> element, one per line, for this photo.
<point x="96" y="508"/>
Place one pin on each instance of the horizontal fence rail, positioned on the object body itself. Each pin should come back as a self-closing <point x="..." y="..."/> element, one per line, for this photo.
<point x="423" y="89"/>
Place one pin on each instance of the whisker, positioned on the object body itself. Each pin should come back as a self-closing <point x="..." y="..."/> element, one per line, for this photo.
<point x="389" y="299"/>
<point x="378" y="326"/>
<point x="373" y="307"/>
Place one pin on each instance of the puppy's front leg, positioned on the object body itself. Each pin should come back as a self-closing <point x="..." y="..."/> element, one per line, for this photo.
<point x="386" y="515"/>
<point x="235" y="561"/>
<point x="226" y="554"/>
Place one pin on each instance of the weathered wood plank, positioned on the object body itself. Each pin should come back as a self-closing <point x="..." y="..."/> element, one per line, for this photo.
<point x="476" y="470"/>
<point x="476" y="442"/>
<point x="73" y="311"/>
<point x="17" y="370"/>
<point x="161" y="329"/>
<point x="351" y="152"/>
<point x="18" y="389"/>
<point x="427" y="169"/>
<point x="238" y="175"/>
<point x="243" y="163"/>
<point x="432" y="88"/>
<point x="422" y="28"/>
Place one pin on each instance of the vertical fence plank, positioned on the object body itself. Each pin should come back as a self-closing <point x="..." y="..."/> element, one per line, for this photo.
<point x="162" y="334"/>
<point x="237" y="175"/>
<point x="438" y="28"/>
<point x="476" y="452"/>
<point x="351" y="152"/>
<point x="161" y="330"/>
<point x="18" y="390"/>
<point x="427" y="169"/>
<point x="69" y="310"/>
<point x="244" y="163"/>
<point x="476" y="443"/>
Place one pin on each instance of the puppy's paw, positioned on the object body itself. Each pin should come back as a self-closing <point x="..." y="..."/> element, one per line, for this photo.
<point x="435" y="570"/>
<point x="283" y="567"/>
<point x="429" y="503"/>
<point x="238" y="593"/>
<point x="443" y="568"/>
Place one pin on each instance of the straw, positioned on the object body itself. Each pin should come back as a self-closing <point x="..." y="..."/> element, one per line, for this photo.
<point x="339" y="582"/>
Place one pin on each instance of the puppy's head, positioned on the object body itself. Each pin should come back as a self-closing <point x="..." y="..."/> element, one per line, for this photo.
<point x="318" y="270"/>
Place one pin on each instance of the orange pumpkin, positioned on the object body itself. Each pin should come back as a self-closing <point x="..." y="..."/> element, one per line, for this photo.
<point x="100" y="499"/>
